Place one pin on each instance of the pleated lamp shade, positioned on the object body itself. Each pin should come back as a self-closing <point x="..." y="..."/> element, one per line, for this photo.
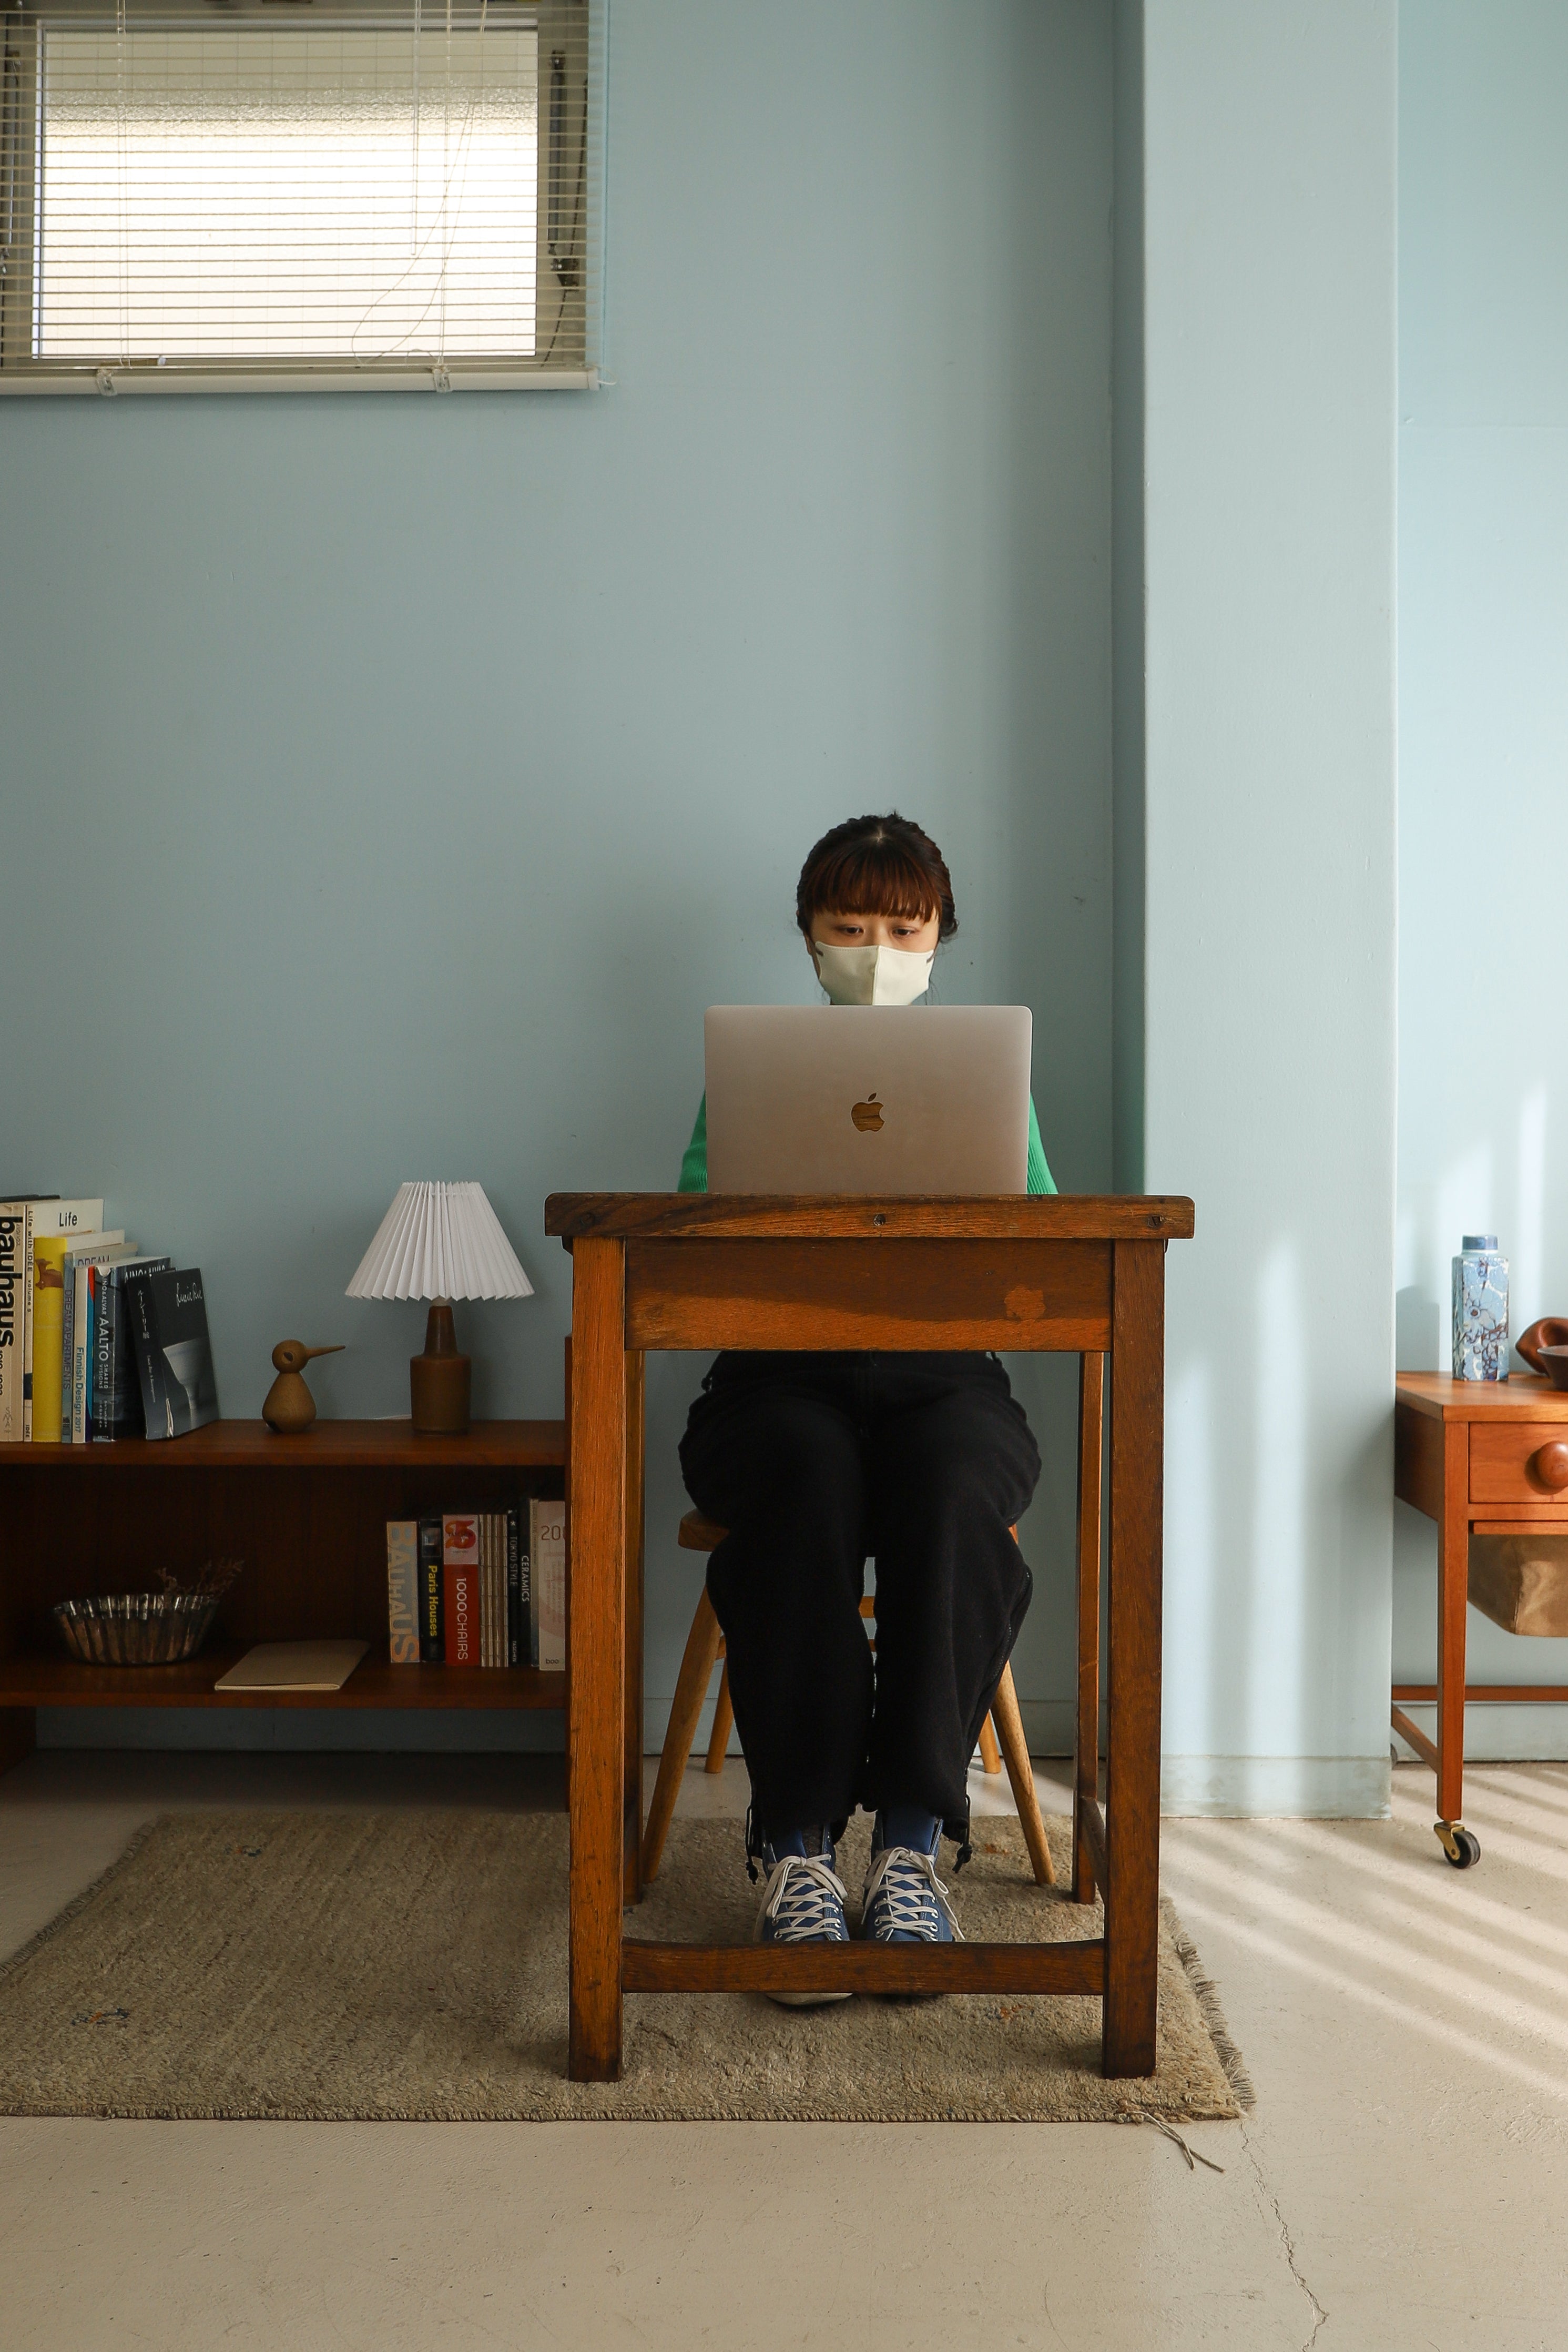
<point x="440" y="1241"/>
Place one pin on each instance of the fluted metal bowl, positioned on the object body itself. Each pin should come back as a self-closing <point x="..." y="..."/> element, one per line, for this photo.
<point x="137" y="1629"/>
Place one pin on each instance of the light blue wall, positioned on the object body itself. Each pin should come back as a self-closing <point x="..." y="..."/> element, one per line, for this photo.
<point x="390" y="782"/>
<point x="1269" y="351"/>
<point x="1483" y="459"/>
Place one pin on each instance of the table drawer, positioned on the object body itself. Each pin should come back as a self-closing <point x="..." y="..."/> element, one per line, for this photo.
<point x="1520" y="1462"/>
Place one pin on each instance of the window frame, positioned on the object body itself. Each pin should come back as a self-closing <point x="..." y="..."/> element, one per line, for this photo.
<point x="568" y="208"/>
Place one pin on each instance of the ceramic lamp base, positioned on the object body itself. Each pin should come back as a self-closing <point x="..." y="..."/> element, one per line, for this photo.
<point x="440" y="1382"/>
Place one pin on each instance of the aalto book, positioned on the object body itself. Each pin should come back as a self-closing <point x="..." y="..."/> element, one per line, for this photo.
<point x="115" y="1409"/>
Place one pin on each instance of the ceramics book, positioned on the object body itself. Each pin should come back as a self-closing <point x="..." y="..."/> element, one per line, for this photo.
<point x="519" y="1652"/>
<point x="168" y="1317"/>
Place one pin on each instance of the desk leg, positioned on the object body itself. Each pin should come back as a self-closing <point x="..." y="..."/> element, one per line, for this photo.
<point x="1132" y="1748"/>
<point x="1086" y="1745"/>
<point x="1453" y="1595"/>
<point x="596" y="1654"/>
<point x="631" y="1802"/>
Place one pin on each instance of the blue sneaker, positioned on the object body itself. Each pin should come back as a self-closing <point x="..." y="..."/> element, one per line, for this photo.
<point x="803" y="1902"/>
<point x="905" y="1901"/>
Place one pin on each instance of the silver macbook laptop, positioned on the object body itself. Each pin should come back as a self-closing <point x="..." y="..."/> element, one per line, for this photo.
<point x="868" y="1099"/>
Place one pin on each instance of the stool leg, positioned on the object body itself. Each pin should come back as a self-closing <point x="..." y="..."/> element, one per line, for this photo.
<point x="723" y="1723"/>
<point x="990" y="1754"/>
<point x="1021" y="1772"/>
<point x="690" y="1689"/>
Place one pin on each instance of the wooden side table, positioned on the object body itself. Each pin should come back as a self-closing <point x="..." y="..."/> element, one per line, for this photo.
<point x="660" y="1270"/>
<point x="1481" y="1457"/>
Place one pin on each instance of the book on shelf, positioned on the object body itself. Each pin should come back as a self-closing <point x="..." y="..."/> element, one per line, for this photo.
<point x="48" y="1222"/>
<point x="458" y="1587"/>
<point x="56" y="1258"/>
<point x="48" y="1320"/>
<point x="83" y="1260"/>
<point x="495" y="1588"/>
<point x="167" y="1314"/>
<point x="498" y="1577"/>
<point x="116" y="1390"/>
<point x="519" y="1652"/>
<point x="12" y="1245"/>
<point x="20" y="1216"/>
<point x="403" y="1591"/>
<point x="486" y="1595"/>
<point x="548" y="1548"/>
<point x="432" y="1620"/>
<point x="75" y="1251"/>
<point x="460" y="1577"/>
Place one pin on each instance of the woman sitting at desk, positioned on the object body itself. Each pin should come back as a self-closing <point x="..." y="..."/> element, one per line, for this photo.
<point x="814" y="1461"/>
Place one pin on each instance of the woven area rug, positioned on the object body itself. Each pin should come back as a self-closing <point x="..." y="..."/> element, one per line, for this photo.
<point x="412" y="1964"/>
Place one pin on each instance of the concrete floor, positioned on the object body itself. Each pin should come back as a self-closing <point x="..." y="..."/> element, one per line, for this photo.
<point x="1402" y="2182"/>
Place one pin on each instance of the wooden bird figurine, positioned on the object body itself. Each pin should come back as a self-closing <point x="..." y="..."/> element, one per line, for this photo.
<point x="289" y="1404"/>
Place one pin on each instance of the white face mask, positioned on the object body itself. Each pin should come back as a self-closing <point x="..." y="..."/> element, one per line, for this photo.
<point x="872" y="975"/>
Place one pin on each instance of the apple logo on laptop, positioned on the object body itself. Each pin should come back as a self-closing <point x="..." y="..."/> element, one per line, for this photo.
<point x="867" y="1114"/>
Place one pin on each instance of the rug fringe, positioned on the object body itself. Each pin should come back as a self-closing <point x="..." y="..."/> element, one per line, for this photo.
<point x="1206" y="1995"/>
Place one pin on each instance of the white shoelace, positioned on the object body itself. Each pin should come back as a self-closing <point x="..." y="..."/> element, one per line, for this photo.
<point x="911" y="1891"/>
<point x="800" y="1895"/>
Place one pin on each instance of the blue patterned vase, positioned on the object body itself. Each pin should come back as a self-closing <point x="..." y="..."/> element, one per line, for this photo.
<point x="1480" y="1310"/>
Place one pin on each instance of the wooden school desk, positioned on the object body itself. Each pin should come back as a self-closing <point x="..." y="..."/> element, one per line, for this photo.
<point x="664" y="1270"/>
<point x="1481" y="1457"/>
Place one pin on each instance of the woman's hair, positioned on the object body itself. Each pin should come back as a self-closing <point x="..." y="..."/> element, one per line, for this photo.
<point x="876" y="865"/>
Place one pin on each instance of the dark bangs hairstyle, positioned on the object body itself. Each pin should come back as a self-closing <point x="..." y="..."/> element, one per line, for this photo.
<point x="876" y="865"/>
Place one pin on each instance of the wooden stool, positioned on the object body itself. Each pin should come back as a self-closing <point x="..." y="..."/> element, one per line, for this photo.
<point x="705" y="1649"/>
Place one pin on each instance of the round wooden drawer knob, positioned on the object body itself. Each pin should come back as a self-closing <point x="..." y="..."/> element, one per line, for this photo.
<point x="1550" y="1465"/>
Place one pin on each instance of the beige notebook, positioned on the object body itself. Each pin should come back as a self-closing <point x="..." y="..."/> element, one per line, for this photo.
<point x="294" y="1665"/>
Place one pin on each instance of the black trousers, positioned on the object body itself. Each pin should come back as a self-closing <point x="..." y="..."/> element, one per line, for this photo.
<point x="814" y="1462"/>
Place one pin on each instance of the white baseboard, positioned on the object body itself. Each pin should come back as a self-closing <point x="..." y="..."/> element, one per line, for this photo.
<point x="1307" y="1787"/>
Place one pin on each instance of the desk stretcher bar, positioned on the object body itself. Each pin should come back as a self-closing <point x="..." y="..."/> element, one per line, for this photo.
<point x="1076" y="1966"/>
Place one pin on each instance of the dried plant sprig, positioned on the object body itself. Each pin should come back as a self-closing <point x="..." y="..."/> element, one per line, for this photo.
<point x="212" y="1579"/>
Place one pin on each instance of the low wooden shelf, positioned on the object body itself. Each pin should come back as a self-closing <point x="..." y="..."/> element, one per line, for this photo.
<point x="42" y="1681"/>
<point x="306" y="1514"/>
<point x="328" y="1445"/>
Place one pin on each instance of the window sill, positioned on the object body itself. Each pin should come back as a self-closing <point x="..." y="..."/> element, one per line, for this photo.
<point x="110" y="382"/>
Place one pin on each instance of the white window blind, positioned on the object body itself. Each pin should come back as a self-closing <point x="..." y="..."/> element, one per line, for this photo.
<point x="327" y="193"/>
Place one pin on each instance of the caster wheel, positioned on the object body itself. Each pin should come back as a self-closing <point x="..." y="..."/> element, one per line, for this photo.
<point x="1462" y="1847"/>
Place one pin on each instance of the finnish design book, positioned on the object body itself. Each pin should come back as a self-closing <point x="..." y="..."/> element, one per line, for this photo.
<point x="173" y="1353"/>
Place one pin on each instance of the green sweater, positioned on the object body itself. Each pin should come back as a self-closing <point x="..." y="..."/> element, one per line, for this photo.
<point x="693" y="1167"/>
